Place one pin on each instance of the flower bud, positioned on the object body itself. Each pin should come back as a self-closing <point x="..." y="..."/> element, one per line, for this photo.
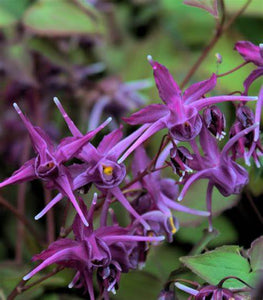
<point x="215" y="121"/>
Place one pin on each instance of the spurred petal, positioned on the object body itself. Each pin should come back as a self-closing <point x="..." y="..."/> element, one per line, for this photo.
<point x="68" y="150"/>
<point x="169" y="90"/>
<point x="250" y="52"/>
<point x="25" y="173"/>
<point x="120" y="147"/>
<point x="62" y="255"/>
<point x="72" y="127"/>
<point x="121" y="198"/>
<point x="148" y="133"/>
<point x="197" y="90"/>
<point x="62" y="182"/>
<point x="140" y="161"/>
<point x="251" y="78"/>
<point x="40" y="143"/>
<point x="49" y="206"/>
<point x="200" y="104"/>
<point x="110" y="140"/>
<point x="149" y="114"/>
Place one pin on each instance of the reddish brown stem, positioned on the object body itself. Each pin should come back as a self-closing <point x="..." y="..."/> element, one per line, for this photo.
<point x="233" y="70"/>
<point x="22" y="219"/>
<point x="219" y="32"/>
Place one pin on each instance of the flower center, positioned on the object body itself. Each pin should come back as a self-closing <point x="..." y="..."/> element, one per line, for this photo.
<point x="50" y="165"/>
<point x="107" y="170"/>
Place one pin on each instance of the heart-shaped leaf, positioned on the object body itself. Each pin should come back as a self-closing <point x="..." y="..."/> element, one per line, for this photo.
<point x="222" y="262"/>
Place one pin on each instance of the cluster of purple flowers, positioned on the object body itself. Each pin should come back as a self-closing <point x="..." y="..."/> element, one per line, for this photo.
<point x="151" y="200"/>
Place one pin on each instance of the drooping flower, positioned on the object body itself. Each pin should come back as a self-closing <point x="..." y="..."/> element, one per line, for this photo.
<point x="209" y="292"/>
<point x="251" y="54"/>
<point x="248" y="145"/>
<point x="156" y="203"/>
<point x="100" y="166"/>
<point x="180" y="111"/>
<point x="218" y="167"/>
<point x="105" y="250"/>
<point x="48" y="164"/>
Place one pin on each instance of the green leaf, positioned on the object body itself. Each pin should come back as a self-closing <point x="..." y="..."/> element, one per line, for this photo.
<point x="227" y="232"/>
<point x="255" y="254"/>
<point x="61" y="18"/>
<point x="162" y="260"/>
<point x="11" y="11"/>
<point x="6" y="18"/>
<point x="195" y="198"/>
<point x="222" y="262"/>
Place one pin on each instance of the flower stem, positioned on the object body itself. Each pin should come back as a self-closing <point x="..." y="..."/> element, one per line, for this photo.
<point x="219" y="32"/>
<point x="22" y="219"/>
<point x="233" y="70"/>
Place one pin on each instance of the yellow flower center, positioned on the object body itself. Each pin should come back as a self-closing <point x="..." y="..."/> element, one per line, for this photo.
<point x="108" y="170"/>
<point x="171" y="221"/>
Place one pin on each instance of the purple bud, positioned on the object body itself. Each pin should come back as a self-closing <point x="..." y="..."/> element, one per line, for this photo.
<point x="180" y="157"/>
<point x="215" y="121"/>
<point x="245" y="116"/>
<point x="166" y="295"/>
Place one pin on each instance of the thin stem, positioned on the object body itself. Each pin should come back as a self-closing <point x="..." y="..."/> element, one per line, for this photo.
<point x="219" y="32"/>
<point x="233" y="70"/>
<point x="257" y="212"/>
<point x="22" y="218"/>
<point x="20" y="288"/>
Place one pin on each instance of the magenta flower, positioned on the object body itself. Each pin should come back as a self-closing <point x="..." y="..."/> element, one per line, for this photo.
<point x="180" y="111"/>
<point x="48" y="164"/>
<point x="248" y="145"/>
<point x="100" y="166"/>
<point x="105" y="250"/>
<point x="209" y="292"/>
<point x="254" y="54"/>
<point x="218" y="167"/>
<point x="156" y="203"/>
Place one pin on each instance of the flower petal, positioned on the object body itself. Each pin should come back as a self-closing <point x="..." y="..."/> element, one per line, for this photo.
<point x="251" y="78"/>
<point x="197" y="90"/>
<point x="25" y="173"/>
<point x="250" y="52"/>
<point x="148" y="114"/>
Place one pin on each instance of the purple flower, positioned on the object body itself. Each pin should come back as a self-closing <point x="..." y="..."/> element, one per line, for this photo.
<point x="155" y="205"/>
<point x="48" y="164"/>
<point x="104" y="250"/>
<point x="209" y="292"/>
<point x="208" y="5"/>
<point x="180" y="111"/>
<point x="254" y="54"/>
<point x="215" y="121"/>
<point x="218" y="167"/>
<point x="100" y="166"/>
<point x="251" y="141"/>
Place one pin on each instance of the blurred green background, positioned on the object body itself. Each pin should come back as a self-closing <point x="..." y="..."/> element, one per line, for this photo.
<point x="82" y="51"/>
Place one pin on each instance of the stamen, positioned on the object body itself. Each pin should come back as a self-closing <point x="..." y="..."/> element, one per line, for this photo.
<point x="108" y="170"/>
<point x="171" y="221"/>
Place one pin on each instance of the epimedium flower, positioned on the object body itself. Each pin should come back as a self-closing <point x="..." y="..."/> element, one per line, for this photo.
<point x="209" y="292"/>
<point x="180" y="111"/>
<point x="155" y="205"/>
<point x="100" y="166"/>
<point x="104" y="250"/>
<point x="248" y="145"/>
<point x="48" y="163"/>
<point x="218" y="167"/>
<point x="251" y="54"/>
